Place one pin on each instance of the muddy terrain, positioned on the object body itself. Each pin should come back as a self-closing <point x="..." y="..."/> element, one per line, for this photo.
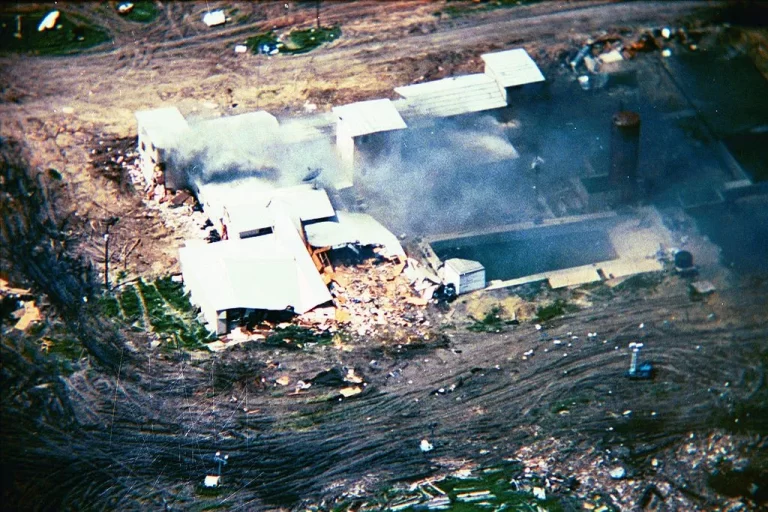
<point x="100" y="411"/>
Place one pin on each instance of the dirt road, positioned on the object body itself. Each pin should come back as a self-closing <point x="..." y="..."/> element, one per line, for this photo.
<point x="177" y="60"/>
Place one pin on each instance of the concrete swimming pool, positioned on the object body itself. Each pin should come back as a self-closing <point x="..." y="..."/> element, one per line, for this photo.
<point x="565" y="251"/>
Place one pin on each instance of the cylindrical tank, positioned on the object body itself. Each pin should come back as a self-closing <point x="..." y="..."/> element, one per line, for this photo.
<point x="625" y="147"/>
<point x="683" y="260"/>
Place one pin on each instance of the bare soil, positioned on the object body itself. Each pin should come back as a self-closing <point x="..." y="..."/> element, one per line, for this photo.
<point x="143" y="436"/>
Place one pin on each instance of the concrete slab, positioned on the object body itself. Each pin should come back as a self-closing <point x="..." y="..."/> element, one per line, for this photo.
<point x="573" y="277"/>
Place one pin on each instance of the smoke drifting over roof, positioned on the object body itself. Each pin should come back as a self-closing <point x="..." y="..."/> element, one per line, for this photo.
<point x="447" y="175"/>
<point x="229" y="149"/>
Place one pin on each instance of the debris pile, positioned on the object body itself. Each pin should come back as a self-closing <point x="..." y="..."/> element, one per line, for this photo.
<point x="17" y="304"/>
<point x="118" y="159"/>
<point x="373" y="298"/>
<point x="612" y="478"/>
<point x="115" y="158"/>
<point x="598" y="57"/>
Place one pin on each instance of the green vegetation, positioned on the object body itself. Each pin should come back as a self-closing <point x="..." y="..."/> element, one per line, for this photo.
<point x="493" y="491"/>
<point x="71" y="34"/>
<point x="557" y="308"/>
<point x="493" y="321"/>
<point x="110" y="307"/>
<point x="131" y="306"/>
<point x="298" y="41"/>
<point x="302" y="41"/>
<point x="142" y="12"/>
<point x="170" y="314"/>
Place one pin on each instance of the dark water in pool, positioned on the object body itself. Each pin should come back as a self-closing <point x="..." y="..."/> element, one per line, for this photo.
<point x="513" y="254"/>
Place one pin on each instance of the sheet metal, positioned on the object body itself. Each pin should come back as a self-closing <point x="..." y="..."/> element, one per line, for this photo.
<point x="353" y="229"/>
<point x="366" y="117"/>
<point x="511" y="68"/>
<point x="451" y="96"/>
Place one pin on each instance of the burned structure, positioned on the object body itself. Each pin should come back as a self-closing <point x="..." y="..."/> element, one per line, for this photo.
<point x="625" y="147"/>
<point x="264" y="189"/>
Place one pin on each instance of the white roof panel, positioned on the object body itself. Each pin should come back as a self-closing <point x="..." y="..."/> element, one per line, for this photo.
<point x="452" y="96"/>
<point x="462" y="266"/>
<point x="245" y="202"/>
<point x="512" y="67"/>
<point x="269" y="272"/>
<point x="242" y="123"/>
<point x="366" y="117"/>
<point x="162" y="125"/>
<point x="353" y="229"/>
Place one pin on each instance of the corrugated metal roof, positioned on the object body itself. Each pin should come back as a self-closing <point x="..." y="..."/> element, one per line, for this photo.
<point x="451" y="96"/>
<point x="269" y="272"/>
<point x="512" y="67"/>
<point x="245" y="202"/>
<point x="462" y="266"/>
<point x="162" y="125"/>
<point x="353" y="229"/>
<point x="243" y="122"/>
<point x="366" y="117"/>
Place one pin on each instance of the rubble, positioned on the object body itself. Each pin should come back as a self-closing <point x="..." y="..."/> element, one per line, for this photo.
<point x="371" y="298"/>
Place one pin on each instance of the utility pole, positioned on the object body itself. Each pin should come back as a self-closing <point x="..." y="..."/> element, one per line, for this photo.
<point x="109" y="223"/>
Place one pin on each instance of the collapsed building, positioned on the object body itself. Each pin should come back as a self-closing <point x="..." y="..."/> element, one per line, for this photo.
<point x="277" y="193"/>
<point x="276" y="223"/>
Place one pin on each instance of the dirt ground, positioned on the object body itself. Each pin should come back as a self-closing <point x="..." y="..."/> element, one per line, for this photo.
<point x="144" y="437"/>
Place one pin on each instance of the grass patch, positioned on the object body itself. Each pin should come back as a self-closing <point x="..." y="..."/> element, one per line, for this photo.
<point x="493" y="321"/>
<point x="298" y="41"/>
<point x="110" y="308"/>
<point x="142" y="12"/>
<point x="173" y="294"/>
<point x="72" y="33"/>
<point x="170" y="314"/>
<point x="303" y="41"/>
<point x="557" y="308"/>
<point x="178" y="330"/>
<point x="495" y="481"/>
<point x="131" y="305"/>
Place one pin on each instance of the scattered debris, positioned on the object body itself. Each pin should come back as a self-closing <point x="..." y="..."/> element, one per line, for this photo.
<point x="49" y="22"/>
<point x="618" y="473"/>
<point x="350" y="391"/>
<point x="214" y="18"/>
<point x="124" y="7"/>
<point x="703" y="287"/>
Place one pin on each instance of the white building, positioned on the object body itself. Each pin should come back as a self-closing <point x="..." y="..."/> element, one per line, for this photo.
<point x="159" y="133"/>
<point x="367" y="131"/>
<point x="512" y="69"/>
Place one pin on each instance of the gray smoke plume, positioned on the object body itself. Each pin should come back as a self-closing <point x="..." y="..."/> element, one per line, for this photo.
<point x="448" y="176"/>
<point x="234" y="148"/>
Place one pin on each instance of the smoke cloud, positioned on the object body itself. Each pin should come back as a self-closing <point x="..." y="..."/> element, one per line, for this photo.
<point x="230" y="149"/>
<point x="448" y="176"/>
